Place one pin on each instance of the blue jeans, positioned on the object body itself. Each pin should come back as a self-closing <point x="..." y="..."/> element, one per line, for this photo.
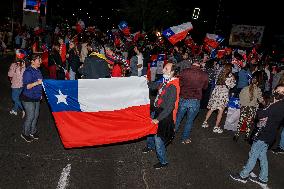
<point x="155" y="142"/>
<point x="258" y="151"/>
<point x="191" y="106"/>
<point x="281" y="144"/>
<point x="32" y="113"/>
<point x="16" y="92"/>
<point x="72" y="74"/>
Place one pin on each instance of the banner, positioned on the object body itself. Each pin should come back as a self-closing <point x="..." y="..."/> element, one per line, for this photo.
<point x="246" y="35"/>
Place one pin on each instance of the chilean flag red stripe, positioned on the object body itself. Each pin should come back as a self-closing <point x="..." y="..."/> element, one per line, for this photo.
<point x="97" y="128"/>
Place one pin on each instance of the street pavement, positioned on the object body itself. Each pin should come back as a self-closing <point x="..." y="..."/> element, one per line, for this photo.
<point x="204" y="164"/>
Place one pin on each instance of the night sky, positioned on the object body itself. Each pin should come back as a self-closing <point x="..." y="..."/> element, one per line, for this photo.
<point x="252" y="12"/>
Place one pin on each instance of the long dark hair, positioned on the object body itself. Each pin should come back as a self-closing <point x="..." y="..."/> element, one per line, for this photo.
<point x="227" y="70"/>
<point x="254" y="82"/>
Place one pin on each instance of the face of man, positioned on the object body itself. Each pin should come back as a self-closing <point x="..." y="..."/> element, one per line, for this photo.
<point x="185" y="56"/>
<point x="168" y="69"/>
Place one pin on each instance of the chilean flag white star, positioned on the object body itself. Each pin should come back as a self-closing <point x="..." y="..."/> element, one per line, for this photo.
<point x="61" y="98"/>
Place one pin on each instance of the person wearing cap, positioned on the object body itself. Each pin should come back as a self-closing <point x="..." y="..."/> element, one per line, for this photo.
<point x="192" y="82"/>
<point x="31" y="96"/>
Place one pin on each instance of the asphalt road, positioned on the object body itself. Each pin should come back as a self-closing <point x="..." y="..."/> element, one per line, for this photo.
<point x="205" y="163"/>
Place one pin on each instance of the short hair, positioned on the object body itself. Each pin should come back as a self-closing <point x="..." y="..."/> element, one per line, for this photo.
<point x="279" y="85"/>
<point x="108" y="46"/>
<point x="174" y="68"/>
<point x="35" y="56"/>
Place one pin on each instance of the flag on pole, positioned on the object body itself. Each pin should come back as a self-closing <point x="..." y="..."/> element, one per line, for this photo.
<point x="38" y="30"/>
<point x="100" y="111"/>
<point x="177" y="33"/>
<point x="123" y="26"/>
<point x="80" y="26"/>
<point x="21" y="53"/>
<point x="212" y="41"/>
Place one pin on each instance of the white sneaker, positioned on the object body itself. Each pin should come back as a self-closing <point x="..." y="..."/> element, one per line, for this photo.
<point x="217" y="130"/>
<point x="220" y="131"/>
<point x="12" y="112"/>
<point x="204" y="125"/>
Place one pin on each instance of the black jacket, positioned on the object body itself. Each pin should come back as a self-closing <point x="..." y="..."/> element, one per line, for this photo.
<point x="94" y="68"/>
<point x="163" y="110"/>
<point x="274" y="114"/>
<point x="73" y="60"/>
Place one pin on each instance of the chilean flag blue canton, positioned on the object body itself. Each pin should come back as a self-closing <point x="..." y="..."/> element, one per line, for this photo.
<point x="153" y="64"/>
<point x="62" y="95"/>
<point x="90" y="112"/>
<point x="161" y="57"/>
<point x="234" y="103"/>
<point x="123" y="26"/>
<point x="213" y="54"/>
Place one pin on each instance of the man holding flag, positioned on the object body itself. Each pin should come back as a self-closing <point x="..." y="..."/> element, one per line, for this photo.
<point x="163" y="114"/>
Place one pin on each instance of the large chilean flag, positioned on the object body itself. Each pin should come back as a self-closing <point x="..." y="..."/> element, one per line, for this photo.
<point x="91" y="112"/>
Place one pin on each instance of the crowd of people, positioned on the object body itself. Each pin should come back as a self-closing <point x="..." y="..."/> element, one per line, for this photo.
<point x="183" y="79"/>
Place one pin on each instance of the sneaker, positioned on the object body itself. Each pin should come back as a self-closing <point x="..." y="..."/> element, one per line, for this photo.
<point x="217" y="130"/>
<point x="257" y="181"/>
<point x="186" y="141"/>
<point x="160" y="166"/>
<point x="278" y="151"/>
<point x="220" y="130"/>
<point x="146" y="150"/>
<point x="35" y="136"/>
<point x="12" y="112"/>
<point x="238" y="178"/>
<point x="27" y="138"/>
<point x="204" y="125"/>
